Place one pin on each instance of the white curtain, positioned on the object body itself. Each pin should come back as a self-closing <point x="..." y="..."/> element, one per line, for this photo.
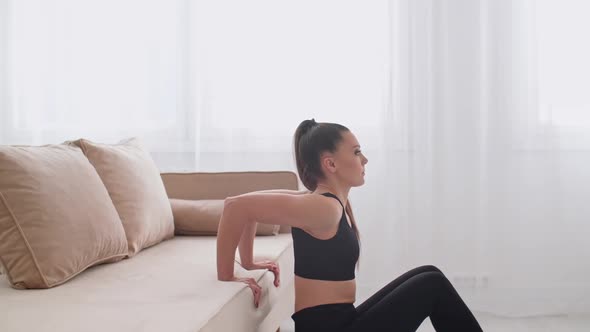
<point x="96" y="69"/>
<point x="485" y="188"/>
<point x="262" y="67"/>
<point x="448" y="98"/>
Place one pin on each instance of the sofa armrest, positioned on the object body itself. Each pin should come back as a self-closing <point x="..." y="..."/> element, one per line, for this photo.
<point x="205" y="185"/>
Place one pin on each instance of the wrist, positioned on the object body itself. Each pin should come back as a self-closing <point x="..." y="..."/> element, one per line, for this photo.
<point x="248" y="265"/>
<point x="225" y="274"/>
<point x="225" y="277"/>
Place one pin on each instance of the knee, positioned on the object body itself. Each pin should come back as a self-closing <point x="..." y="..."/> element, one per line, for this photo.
<point x="432" y="268"/>
<point x="433" y="281"/>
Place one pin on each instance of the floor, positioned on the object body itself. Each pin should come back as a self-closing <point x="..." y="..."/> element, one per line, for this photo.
<point x="501" y="324"/>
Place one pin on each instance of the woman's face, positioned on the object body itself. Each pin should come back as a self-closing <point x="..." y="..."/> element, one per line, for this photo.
<point x="348" y="162"/>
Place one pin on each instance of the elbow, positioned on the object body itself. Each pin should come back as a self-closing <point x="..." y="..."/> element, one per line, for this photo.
<point x="234" y="205"/>
<point x="229" y="205"/>
<point x="230" y="202"/>
<point x="231" y="215"/>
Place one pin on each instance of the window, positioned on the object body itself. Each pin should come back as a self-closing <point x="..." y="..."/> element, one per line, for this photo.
<point x="262" y="69"/>
<point x="104" y="68"/>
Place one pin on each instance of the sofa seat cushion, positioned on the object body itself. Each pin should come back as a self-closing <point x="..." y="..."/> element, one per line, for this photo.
<point x="172" y="286"/>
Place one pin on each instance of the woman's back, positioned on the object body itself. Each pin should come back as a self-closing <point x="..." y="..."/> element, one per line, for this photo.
<point x="324" y="263"/>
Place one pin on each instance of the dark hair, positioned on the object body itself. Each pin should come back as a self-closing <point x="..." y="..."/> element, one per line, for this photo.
<point x="310" y="140"/>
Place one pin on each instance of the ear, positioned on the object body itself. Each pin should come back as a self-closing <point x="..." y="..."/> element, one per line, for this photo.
<point x="328" y="163"/>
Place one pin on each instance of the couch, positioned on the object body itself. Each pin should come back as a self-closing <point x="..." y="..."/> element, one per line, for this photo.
<point x="169" y="286"/>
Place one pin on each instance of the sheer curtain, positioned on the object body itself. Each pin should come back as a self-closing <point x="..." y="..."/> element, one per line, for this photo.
<point x="103" y="70"/>
<point x="446" y="98"/>
<point x="262" y="67"/>
<point x="486" y="189"/>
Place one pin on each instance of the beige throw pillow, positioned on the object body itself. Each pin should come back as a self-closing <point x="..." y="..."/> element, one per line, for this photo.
<point x="56" y="216"/>
<point x="136" y="188"/>
<point x="201" y="217"/>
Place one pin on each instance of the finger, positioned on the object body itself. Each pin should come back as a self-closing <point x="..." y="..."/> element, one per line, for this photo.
<point x="277" y="273"/>
<point x="256" y="293"/>
<point x="254" y="288"/>
<point x="258" y="289"/>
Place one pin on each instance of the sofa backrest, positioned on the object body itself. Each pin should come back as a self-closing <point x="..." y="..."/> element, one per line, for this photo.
<point x="205" y="185"/>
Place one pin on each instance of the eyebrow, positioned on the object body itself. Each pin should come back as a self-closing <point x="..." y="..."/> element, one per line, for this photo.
<point x="356" y="146"/>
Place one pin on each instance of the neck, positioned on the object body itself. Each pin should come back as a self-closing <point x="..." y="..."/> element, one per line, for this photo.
<point x="340" y="191"/>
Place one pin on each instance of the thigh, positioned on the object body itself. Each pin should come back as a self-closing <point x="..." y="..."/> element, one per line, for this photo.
<point x="404" y="308"/>
<point x="393" y="285"/>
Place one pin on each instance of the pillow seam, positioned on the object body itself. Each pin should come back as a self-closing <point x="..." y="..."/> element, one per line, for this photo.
<point x="24" y="239"/>
<point x="96" y="262"/>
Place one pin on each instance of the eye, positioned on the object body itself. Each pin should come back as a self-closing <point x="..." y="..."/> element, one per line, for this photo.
<point x="357" y="152"/>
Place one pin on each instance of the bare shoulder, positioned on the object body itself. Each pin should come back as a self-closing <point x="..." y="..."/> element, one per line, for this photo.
<point x="307" y="211"/>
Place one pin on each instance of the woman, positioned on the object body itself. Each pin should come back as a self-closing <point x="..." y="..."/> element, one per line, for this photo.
<point x="326" y="247"/>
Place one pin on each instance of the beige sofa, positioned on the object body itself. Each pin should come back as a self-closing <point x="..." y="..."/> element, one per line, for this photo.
<point x="170" y="286"/>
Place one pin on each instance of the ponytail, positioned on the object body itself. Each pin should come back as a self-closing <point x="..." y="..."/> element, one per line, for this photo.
<point x="309" y="141"/>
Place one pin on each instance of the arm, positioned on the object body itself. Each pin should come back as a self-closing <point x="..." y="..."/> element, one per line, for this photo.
<point x="231" y="227"/>
<point x="246" y="245"/>
<point x="284" y="191"/>
<point x="301" y="211"/>
<point x="275" y="208"/>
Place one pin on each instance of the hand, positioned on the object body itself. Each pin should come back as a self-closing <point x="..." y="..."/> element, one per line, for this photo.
<point x="256" y="289"/>
<point x="267" y="265"/>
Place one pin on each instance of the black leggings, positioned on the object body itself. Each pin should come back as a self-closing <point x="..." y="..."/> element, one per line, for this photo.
<point x="401" y="306"/>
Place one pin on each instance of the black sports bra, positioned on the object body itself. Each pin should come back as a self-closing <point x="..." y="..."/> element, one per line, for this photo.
<point x="332" y="259"/>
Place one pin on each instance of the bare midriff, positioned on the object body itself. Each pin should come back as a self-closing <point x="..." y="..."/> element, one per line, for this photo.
<point x="311" y="292"/>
